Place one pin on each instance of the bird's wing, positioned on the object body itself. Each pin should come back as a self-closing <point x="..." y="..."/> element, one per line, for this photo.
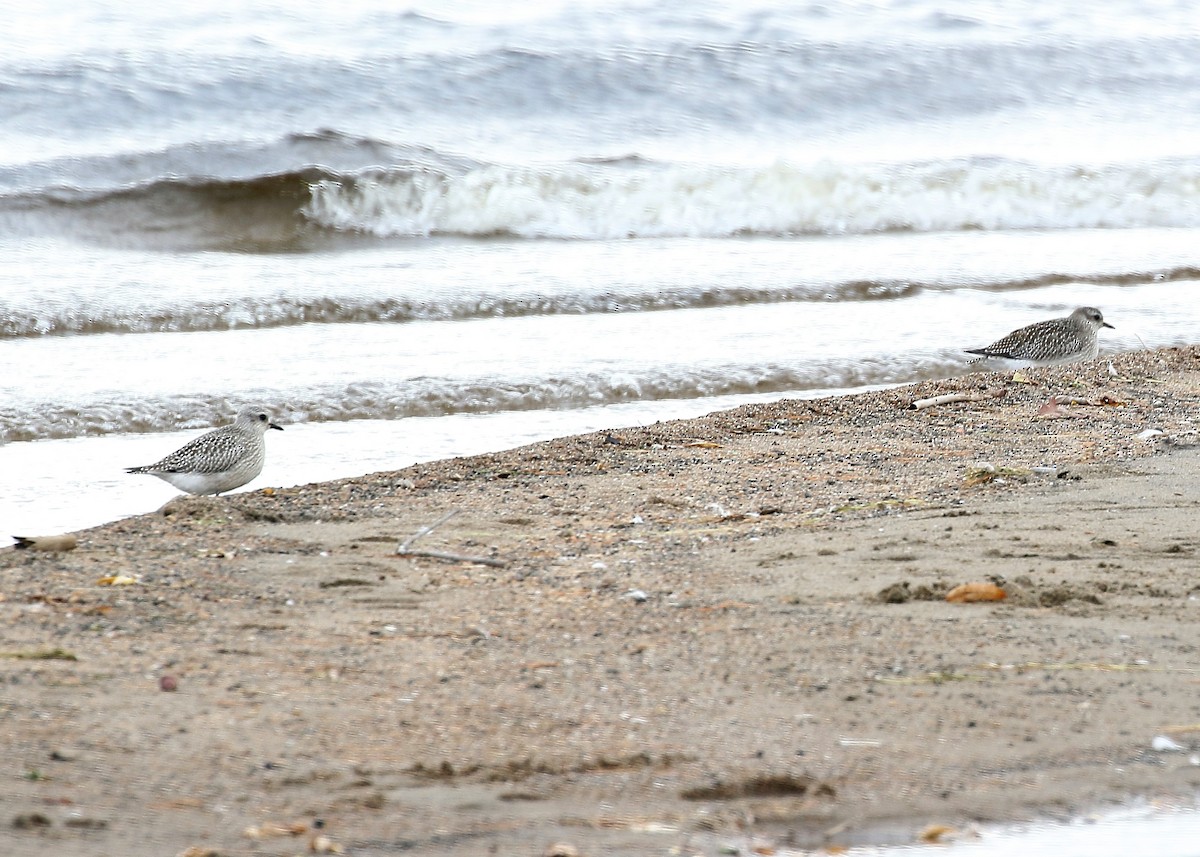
<point x="210" y="453"/>
<point x="1023" y="344"/>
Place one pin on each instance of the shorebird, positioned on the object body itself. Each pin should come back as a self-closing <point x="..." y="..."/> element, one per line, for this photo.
<point x="219" y="461"/>
<point x="1051" y="343"/>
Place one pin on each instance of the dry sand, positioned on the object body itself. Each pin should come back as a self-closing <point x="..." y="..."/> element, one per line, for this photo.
<point x="704" y="633"/>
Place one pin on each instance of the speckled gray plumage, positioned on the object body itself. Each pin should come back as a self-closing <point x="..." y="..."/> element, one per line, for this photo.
<point x="219" y="461"/>
<point x="1053" y="342"/>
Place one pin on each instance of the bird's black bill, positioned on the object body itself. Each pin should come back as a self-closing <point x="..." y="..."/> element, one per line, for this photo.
<point x="274" y="426"/>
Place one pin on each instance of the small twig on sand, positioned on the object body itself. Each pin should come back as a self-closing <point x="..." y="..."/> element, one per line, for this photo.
<point x="921" y="404"/>
<point x="455" y="557"/>
<point x="426" y="530"/>
<point x="404" y="548"/>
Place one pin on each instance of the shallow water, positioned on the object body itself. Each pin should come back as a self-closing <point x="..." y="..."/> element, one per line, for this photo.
<point x="1140" y="828"/>
<point x="368" y="396"/>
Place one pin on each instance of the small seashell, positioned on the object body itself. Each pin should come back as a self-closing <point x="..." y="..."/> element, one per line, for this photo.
<point x="561" y="849"/>
<point x="970" y="592"/>
<point x="270" y="829"/>
<point x="116" y="580"/>
<point x="935" y="833"/>
<point x="1163" y="744"/>
<point x="321" y="844"/>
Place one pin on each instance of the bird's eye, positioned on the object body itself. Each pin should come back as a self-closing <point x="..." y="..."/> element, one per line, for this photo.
<point x="262" y="418"/>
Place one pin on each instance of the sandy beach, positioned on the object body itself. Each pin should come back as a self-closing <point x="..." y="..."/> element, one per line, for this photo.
<point x="658" y="640"/>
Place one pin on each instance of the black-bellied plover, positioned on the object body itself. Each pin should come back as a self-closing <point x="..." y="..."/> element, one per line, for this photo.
<point x="1051" y="343"/>
<point x="224" y="459"/>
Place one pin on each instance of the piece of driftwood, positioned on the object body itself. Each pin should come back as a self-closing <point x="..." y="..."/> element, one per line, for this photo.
<point x="454" y="557"/>
<point x="948" y="398"/>
<point x="46" y="543"/>
<point x="405" y="547"/>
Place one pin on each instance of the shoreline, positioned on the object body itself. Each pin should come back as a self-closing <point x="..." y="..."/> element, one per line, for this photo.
<point x="729" y="626"/>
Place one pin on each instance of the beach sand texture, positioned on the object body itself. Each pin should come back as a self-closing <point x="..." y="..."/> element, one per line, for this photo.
<point x="695" y="632"/>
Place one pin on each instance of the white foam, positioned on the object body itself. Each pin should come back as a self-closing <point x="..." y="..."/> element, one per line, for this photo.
<point x="615" y="201"/>
<point x="1140" y="828"/>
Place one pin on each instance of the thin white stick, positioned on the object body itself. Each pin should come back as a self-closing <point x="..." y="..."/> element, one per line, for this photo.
<point x="921" y="404"/>
<point x="426" y="530"/>
<point x="405" y="550"/>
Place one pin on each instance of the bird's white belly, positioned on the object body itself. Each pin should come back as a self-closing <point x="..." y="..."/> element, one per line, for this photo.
<point x="208" y="483"/>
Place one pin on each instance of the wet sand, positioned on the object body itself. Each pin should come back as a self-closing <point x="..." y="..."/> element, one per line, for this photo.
<point x="670" y="639"/>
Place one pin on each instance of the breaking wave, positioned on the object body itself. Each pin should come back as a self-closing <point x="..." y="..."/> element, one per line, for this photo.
<point x="315" y="206"/>
<point x="637" y="200"/>
<point x="36" y="315"/>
